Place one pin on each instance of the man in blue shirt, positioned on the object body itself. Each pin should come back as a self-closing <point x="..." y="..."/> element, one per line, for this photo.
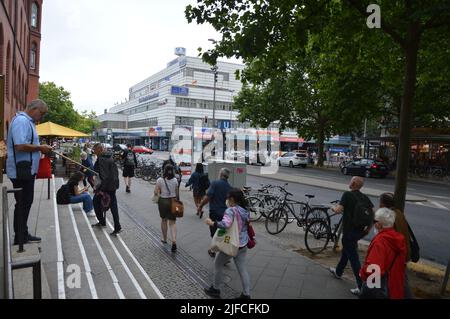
<point x="23" y="145"/>
<point x="217" y="197"/>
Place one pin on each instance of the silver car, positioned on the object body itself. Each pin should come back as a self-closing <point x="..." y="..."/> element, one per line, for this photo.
<point x="293" y="159"/>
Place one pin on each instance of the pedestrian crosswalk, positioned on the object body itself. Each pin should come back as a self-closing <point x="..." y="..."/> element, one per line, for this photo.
<point x="90" y="263"/>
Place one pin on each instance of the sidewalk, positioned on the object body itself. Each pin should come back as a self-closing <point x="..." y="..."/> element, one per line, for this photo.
<point x="254" y="171"/>
<point x="275" y="272"/>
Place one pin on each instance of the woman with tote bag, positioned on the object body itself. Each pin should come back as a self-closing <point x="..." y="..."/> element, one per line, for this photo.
<point x="231" y="241"/>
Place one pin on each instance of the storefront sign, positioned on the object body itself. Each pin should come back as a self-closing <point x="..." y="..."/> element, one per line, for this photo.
<point x="178" y="90"/>
<point x="148" y="98"/>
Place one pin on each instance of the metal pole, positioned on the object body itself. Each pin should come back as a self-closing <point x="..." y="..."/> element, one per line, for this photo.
<point x="214" y="98"/>
<point x="37" y="282"/>
<point x="2" y="121"/>
<point x="48" y="189"/>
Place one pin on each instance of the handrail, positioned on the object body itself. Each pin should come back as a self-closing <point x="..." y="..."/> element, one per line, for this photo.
<point x="8" y="291"/>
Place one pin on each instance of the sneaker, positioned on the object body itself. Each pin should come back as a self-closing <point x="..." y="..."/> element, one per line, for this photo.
<point x="116" y="232"/>
<point x="91" y="214"/>
<point x="333" y="271"/>
<point x="174" y="247"/>
<point x="212" y="292"/>
<point x="33" y="239"/>
<point x="242" y="296"/>
<point x="201" y="215"/>
<point x="16" y="241"/>
<point x="355" y="291"/>
<point x="128" y="190"/>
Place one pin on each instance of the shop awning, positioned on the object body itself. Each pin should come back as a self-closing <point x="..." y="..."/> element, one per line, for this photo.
<point x="52" y="129"/>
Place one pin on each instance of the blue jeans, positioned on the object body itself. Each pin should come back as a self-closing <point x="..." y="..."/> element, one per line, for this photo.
<point x="350" y="253"/>
<point x="84" y="198"/>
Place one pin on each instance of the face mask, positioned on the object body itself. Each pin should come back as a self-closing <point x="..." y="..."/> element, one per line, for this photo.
<point x="227" y="203"/>
<point x="375" y="231"/>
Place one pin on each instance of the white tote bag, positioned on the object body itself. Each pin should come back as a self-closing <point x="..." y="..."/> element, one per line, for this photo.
<point x="227" y="240"/>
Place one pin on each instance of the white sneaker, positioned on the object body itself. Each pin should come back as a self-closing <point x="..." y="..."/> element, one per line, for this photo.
<point x="355" y="291"/>
<point x="333" y="271"/>
<point x="91" y="214"/>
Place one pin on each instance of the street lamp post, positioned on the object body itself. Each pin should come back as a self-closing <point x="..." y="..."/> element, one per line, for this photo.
<point x="214" y="69"/>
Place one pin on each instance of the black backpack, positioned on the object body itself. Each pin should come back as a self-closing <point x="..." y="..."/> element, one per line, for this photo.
<point x="63" y="195"/>
<point x="129" y="159"/>
<point x="363" y="214"/>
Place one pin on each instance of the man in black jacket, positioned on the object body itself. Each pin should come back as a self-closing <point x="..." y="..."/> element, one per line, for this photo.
<point x="107" y="182"/>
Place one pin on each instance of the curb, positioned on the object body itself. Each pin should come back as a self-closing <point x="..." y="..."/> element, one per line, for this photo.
<point x="418" y="199"/>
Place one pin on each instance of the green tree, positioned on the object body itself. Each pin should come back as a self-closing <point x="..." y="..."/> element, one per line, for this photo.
<point x="266" y="30"/>
<point x="62" y="112"/>
<point x="60" y="107"/>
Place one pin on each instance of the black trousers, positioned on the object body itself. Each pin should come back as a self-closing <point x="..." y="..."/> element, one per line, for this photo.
<point x="215" y="218"/>
<point x="24" y="201"/>
<point x="98" y="208"/>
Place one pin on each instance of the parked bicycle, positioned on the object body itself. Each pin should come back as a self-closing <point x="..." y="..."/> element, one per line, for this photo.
<point x="287" y="210"/>
<point x="320" y="232"/>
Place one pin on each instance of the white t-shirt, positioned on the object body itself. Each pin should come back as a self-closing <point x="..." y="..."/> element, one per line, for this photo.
<point x="169" y="191"/>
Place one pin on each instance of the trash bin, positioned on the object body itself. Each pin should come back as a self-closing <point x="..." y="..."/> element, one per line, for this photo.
<point x="238" y="172"/>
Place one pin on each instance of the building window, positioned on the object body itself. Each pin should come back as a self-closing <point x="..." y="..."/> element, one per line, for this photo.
<point x="34" y="15"/>
<point x="33" y="56"/>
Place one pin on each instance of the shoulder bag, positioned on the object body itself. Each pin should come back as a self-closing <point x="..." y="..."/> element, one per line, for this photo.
<point x="176" y="206"/>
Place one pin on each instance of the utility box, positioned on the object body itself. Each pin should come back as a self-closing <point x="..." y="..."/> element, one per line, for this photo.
<point x="238" y="172"/>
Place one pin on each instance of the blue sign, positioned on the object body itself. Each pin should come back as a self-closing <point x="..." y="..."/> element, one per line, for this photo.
<point x="224" y="125"/>
<point x="178" y="90"/>
<point x="148" y="98"/>
<point x="338" y="150"/>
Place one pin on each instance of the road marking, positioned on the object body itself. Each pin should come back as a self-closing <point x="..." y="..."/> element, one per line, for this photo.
<point x="60" y="256"/>
<point x="419" y="203"/>
<point x="127" y="270"/>
<point x="105" y="259"/>
<point x="87" y="267"/>
<point x="439" y="205"/>
<point x="144" y="273"/>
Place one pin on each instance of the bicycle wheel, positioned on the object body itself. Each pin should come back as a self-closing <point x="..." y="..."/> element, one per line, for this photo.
<point x="268" y="204"/>
<point x="277" y="220"/>
<point x="317" y="236"/>
<point x="317" y="214"/>
<point x="255" y="205"/>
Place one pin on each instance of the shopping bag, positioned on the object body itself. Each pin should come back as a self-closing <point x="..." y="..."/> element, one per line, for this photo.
<point x="45" y="168"/>
<point x="227" y="240"/>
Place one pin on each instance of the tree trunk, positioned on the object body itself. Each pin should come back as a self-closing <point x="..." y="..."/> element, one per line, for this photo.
<point x="320" y="145"/>
<point x="404" y="148"/>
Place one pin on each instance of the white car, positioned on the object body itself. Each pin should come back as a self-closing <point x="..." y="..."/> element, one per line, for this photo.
<point x="293" y="159"/>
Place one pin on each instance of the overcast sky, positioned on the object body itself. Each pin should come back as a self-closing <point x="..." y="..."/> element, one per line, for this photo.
<point x="98" y="49"/>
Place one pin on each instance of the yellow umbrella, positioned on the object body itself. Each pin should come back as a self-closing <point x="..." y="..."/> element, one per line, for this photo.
<point x="52" y="129"/>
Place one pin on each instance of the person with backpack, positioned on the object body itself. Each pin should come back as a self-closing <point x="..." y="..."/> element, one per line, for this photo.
<point x="200" y="183"/>
<point x="77" y="195"/>
<point x="357" y="220"/>
<point x="402" y="226"/>
<point x="387" y="252"/>
<point x="106" y="185"/>
<point x="129" y="165"/>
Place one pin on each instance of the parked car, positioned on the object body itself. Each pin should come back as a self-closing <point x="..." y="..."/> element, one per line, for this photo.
<point x="365" y="167"/>
<point x="293" y="159"/>
<point x="142" y="150"/>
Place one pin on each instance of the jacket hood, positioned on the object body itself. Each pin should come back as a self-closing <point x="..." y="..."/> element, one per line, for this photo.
<point x="392" y="239"/>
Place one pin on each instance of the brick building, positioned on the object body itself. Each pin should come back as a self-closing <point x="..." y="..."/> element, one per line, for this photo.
<point x="20" y="38"/>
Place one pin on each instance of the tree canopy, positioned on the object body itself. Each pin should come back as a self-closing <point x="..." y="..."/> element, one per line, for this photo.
<point x="398" y="67"/>
<point x="61" y="109"/>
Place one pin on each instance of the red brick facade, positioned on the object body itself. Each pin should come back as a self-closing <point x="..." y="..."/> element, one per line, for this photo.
<point x="20" y="39"/>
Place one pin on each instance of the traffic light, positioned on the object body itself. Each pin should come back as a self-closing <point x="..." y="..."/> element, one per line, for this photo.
<point x="206" y="120"/>
<point x="216" y="77"/>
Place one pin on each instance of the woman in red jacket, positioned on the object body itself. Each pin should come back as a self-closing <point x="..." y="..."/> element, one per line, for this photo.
<point x="387" y="251"/>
